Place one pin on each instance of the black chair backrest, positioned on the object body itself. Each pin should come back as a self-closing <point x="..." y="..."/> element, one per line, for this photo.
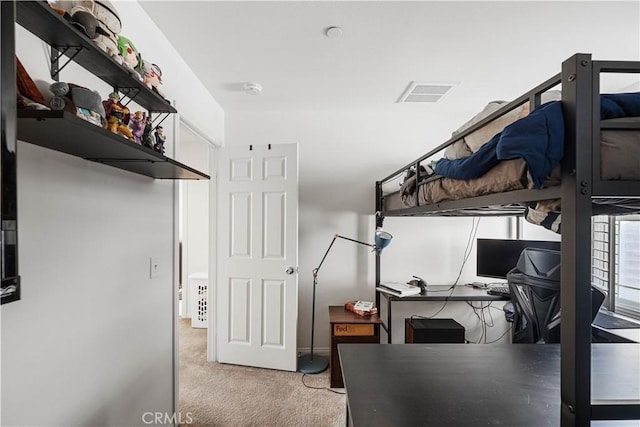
<point x="534" y="285"/>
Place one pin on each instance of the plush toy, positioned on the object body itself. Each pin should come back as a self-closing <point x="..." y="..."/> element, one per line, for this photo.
<point x="130" y="56"/>
<point x="99" y="20"/>
<point x="117" y="116"/>
<point x="160" y="140"/>
<point x="83" y="102"/>
<point x="137" y="125"/>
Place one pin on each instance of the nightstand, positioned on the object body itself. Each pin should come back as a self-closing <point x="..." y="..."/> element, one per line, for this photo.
<point x="349" y="328"/>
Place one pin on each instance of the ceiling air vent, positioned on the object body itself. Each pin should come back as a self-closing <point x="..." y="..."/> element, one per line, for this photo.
<point x="426" y="92"/>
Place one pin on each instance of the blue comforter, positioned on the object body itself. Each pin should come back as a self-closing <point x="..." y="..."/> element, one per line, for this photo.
<point x="537" y="138"/>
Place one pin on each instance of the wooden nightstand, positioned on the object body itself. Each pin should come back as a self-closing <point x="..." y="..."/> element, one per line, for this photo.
<point x="348" y="327"/>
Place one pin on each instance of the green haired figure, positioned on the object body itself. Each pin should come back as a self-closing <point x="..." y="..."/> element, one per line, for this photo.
<point x="132" y="59"/>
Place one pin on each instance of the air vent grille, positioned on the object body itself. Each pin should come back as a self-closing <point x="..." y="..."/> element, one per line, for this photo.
<point x="426" y="92"/>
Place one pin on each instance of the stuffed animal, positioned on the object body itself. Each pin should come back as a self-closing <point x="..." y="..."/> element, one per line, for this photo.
<point x="130" y="56"/>
<point x="137" y="125"/>
<point x="160" y="140"/>
<point x="117" y="116"/>
<point x="79" y="100"/>
<point x="99" y="20"/>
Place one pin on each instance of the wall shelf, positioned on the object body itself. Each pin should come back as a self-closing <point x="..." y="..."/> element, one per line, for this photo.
<point x="64" y="132"/>
<point x="38" y="18"/>
<point x="67" y="133"/>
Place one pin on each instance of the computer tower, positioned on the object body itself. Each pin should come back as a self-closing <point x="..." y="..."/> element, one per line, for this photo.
<point x="433" y="331"/>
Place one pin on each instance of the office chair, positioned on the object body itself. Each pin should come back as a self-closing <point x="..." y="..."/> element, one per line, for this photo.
<point x="534" y="285"/>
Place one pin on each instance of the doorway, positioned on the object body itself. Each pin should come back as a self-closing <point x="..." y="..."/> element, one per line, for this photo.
<point x="193" y="225"/>
<point x="195" y="229"/>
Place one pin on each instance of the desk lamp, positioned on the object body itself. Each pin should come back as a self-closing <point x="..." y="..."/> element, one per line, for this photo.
<point x="314" y="364"/>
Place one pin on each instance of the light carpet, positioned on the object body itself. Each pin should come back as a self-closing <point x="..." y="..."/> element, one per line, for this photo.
<point x="217" y="394"/>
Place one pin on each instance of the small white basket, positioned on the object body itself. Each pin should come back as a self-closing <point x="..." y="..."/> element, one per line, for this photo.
<point x="198" y="299"/>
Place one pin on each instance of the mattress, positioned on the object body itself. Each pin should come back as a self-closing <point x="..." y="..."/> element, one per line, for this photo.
<point x="620" y="160"/>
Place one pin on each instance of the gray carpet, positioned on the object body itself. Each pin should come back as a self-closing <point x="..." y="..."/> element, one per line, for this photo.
<point x="215" y="394"/>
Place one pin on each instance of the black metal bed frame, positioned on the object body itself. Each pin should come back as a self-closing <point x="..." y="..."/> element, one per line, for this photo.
<point x="10" y="286"/>
<point x="581" y="182"/>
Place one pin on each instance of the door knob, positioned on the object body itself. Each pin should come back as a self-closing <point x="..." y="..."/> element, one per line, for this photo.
<point x="290" y="270"/>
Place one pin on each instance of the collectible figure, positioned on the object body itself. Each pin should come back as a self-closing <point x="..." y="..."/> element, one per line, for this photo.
<point x="152" y="77"/>
<point x="99" y="20"/>
<point x="117" y="116"/>
<point x="160" y="140"/>
<point x="130" y="56"/>
<point x="147" y="138"/>
<point x="137" y="125"/>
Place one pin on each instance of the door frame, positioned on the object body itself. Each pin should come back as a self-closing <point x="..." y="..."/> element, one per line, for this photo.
<point x="214" y="144"/>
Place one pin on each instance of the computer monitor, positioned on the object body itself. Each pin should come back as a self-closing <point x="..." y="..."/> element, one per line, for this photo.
<point x="496" y="257"/>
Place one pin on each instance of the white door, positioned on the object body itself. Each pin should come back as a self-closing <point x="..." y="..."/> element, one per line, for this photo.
<point x="257" y="285"/>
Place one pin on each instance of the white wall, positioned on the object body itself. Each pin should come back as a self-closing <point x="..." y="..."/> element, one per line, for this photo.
<point x="91" y="341"/>
<point x="194" y="235"/>
<point x="341" y="157"/>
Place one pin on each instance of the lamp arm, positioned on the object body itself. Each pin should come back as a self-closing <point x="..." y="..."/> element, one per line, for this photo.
<point x="315" y="270"/>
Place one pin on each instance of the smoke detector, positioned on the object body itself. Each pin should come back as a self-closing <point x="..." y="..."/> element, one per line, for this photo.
<point x="333" y="32"/>
<point x="426" y="92"/>
<point x="252" y="88"/>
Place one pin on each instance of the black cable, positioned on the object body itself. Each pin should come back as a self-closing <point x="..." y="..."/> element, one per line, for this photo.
<point x="467" y="251"/>
<point x="446" y="301"/>
<point x="319" y="388"/>
<point x="491" y="325"/>
<point x="500" y="337"/>
<point x="484" y="324"/>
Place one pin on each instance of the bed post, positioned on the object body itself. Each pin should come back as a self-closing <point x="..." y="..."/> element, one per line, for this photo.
<point x="8" y="158"/>
<point x="578" y="88"/>
<point x="379" y="220"/>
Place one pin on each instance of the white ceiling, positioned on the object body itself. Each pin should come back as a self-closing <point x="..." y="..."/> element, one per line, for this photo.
<point x="385" y="46"/>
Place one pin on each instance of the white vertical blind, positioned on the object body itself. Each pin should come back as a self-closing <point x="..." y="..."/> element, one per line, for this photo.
<point x="620" y="236"/>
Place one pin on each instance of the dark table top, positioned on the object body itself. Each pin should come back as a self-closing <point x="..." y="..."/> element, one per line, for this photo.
<point x="472" y="385"/>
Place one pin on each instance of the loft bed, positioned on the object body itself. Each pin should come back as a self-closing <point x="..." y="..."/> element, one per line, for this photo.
<point x="598" y="172"/>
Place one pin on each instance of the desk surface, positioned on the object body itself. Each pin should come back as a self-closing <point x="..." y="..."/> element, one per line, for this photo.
<point x="471" y="385"/>
<point x="445" y="293"/>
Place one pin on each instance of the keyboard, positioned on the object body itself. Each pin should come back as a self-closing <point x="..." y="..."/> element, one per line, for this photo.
<point x="502" y="291"/>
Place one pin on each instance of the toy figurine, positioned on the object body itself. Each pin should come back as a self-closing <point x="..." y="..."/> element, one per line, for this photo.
<point x="147" y="138"/>
<point x="117" y="116"/>
<point x="137" y="125"/>
<point x="152" y="77"/>
<point x="131" y="57"/>
<point x="99" y="20"/>
<point x="160" y="140"/>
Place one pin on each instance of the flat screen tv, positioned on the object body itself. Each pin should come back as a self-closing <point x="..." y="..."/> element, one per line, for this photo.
<point x="496" y="257"/>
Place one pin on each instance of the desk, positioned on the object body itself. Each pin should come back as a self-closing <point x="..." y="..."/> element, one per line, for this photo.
<point x="437" y="293"/>
<point x="471" y="385"/>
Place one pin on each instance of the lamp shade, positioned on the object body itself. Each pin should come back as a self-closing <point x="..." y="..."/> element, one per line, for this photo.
<point x="382" y="240"/>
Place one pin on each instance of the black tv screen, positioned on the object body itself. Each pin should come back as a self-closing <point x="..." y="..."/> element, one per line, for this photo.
<point x="496" y="257"/>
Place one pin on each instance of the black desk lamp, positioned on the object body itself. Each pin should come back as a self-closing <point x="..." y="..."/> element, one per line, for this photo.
<point x="314" y="364"/>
